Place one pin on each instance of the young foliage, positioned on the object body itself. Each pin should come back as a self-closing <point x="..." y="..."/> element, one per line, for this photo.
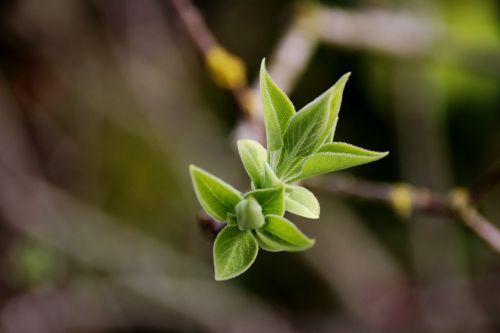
<point x="279" y="234"/>
<point x="254" y="158"/>
<point x="301" y="201"/>
<point x="277" y="110"/>
<point x="249" y="214"/>
<point x="309" y="128"/>
<point x="234" y="252"/>
<point x="271" y="199"/>
<point x="299" y="145"/>
<point x="217" y="198"/>
<point x="337" y="156"/>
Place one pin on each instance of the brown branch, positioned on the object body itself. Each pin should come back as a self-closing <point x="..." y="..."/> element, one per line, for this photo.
<point x="227" y="70"/>
<point x="461" y="204"/>
<point x="195" y="25"/>
<point x="421" y="200"/>
<point x="458" y="202"/>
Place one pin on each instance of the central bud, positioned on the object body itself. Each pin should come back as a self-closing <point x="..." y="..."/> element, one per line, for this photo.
<point x="249" y="214"/>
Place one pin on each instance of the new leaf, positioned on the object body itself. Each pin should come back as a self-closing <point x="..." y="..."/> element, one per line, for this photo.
<point x="277" y="110"/>
<point x="301" y="201"/>
<point x="337" y="156"/>
<point x="272" y="200"/>
<point x="270" y="178"/>
<point x="335" y="103"/>
<point x="217" y="198"/>
<point x="309" y="128"/>
<point x="279" y="234"/>
<point x="254" y="158"/>
<point x="234" y="252"/>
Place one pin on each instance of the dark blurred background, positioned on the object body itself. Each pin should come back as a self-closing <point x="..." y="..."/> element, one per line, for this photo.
<point x="105" y="103"/>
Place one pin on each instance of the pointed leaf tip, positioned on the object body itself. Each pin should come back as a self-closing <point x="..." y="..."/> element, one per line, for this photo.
<point x="215" y="196"/>
<point x="336" y="95"/>
<point x="337" y="156"/>
<point x="277" y="107"/>
<point x="254" y="158"/>
<point x="314" y="124"/>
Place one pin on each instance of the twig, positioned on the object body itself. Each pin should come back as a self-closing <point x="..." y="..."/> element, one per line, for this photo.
<point x="418" y="199"/>
<point x="227" y="70"/>
<point x="407" y="199"/>
<point x="461" y="205"/>
<point x="195" y="25"/>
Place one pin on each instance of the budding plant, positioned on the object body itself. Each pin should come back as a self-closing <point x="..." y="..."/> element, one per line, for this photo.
<point x="299" y="145"/>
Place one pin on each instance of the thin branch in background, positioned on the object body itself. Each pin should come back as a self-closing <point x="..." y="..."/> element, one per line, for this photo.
<point x="460" y="203"/>
<point x="195" y="25"/>
<point x="227" y="70"/>
<point x="421" y="200"/>
<point x="457" y="202"/>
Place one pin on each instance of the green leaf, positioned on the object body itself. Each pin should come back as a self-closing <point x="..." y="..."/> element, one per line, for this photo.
<point x="272" y="200"/>
<point x="302" y="202"/>
<point x="215" y="196"/>
<point x="292" y="170"/>
<point x="279" y="234"/>
<point x="335" y="103"/>
<point x="234" y="252"/>
<point x="270" y="178"/>
<point x="265" y="244"/>
<point x="249" y="213"/>
<point x="309" y="128"/>
<point x="277" y="110"/>
<point x="254" y="158"/>
<point x="306" y="128"/>
<point x="332" y="133"/>
<point x="337" y="156"/>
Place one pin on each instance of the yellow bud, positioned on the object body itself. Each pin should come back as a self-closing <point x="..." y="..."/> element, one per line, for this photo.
<point x="459" y="197"/>
<point x="227" y="69"/>
<point x="401" y="198"/>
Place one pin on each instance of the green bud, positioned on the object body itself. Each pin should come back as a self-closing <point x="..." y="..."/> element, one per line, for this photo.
<point x="249" y="214"/>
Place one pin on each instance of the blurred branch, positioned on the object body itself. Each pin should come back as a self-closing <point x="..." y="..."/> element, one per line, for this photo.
<point x="106" y="304"/>
<point x="31" y="205"/>
<point x="460" y="203"/>
<point x="227" y="70"/>
<point x="395" y="33"/>
<point x="407" y="199"/>
<point x="404" y="198"/>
